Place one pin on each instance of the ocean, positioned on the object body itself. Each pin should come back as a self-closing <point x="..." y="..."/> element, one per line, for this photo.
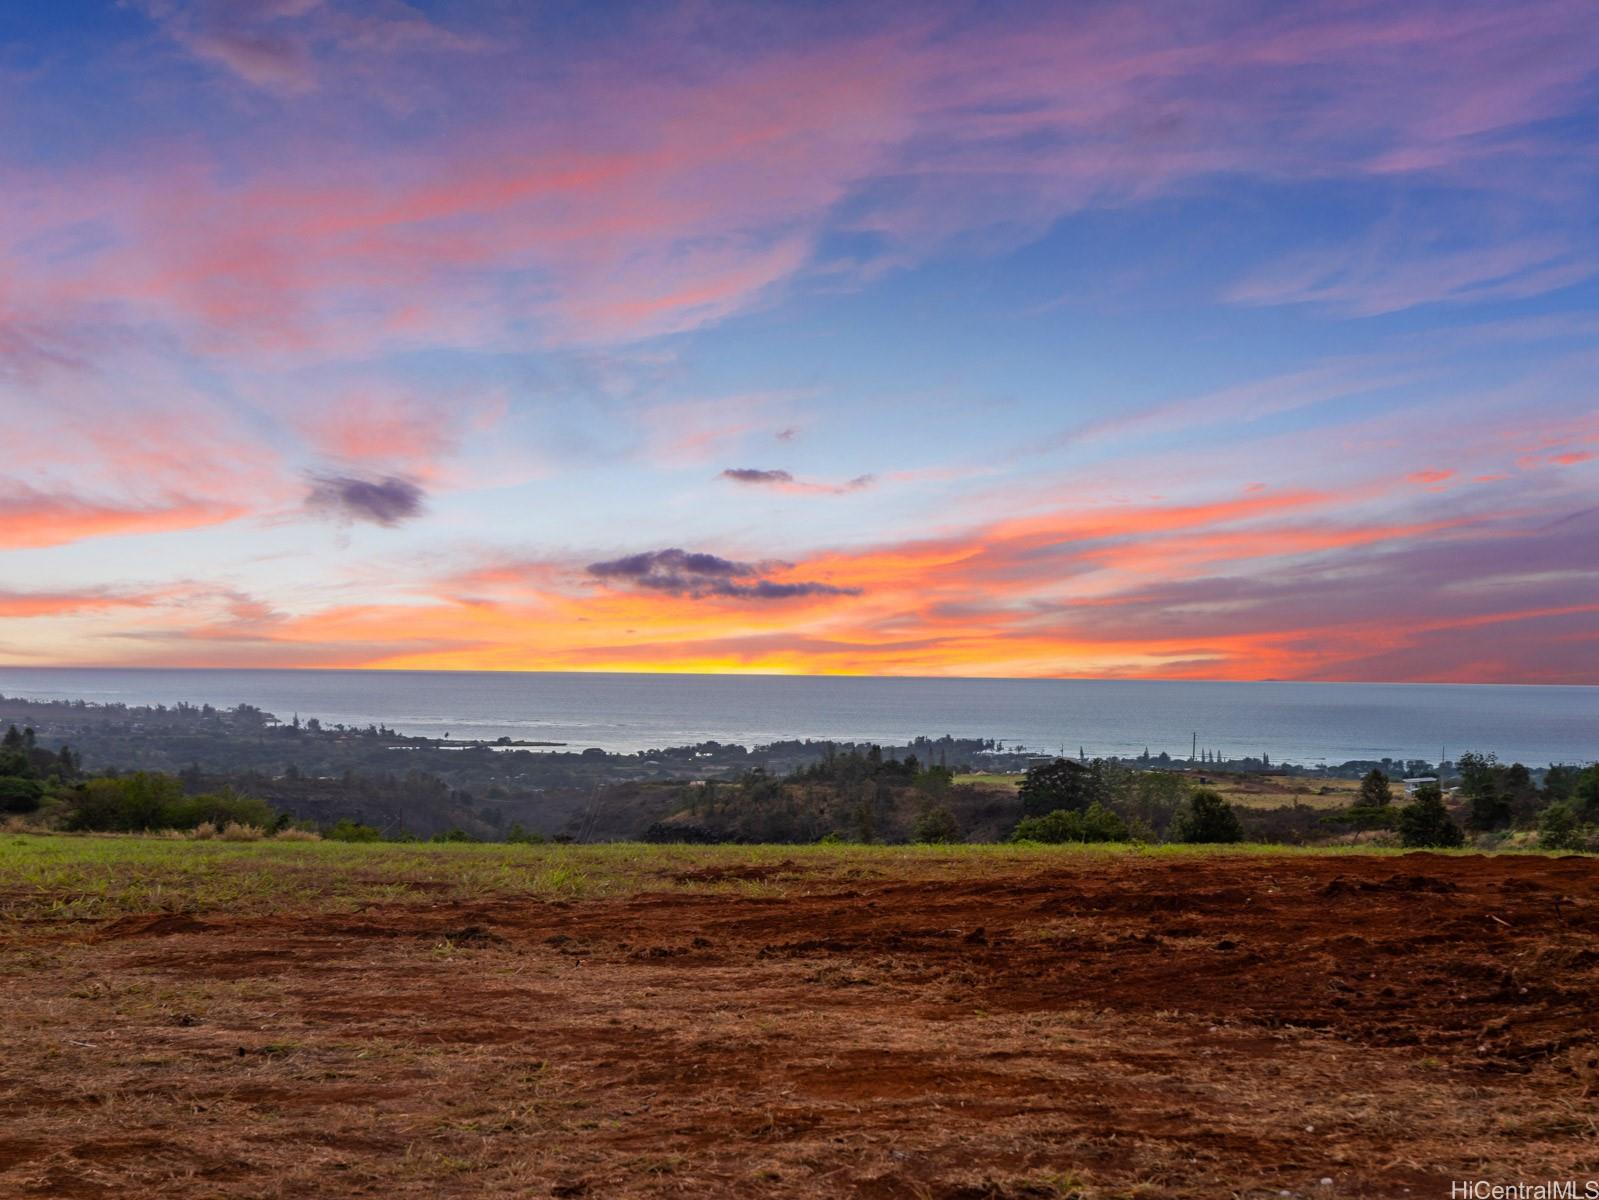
<point x="1307" y="723"/>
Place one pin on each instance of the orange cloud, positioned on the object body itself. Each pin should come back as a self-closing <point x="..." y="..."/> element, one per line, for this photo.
<point x="1154" y="590"/>
<point x="55" y="604"/>
<point x="29" y="520"/>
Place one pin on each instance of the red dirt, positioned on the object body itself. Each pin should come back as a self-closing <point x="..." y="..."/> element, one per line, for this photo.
<point x="1111" y="1027"/>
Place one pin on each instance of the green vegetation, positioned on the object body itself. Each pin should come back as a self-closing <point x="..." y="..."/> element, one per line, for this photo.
<point x="936" y="825"/>
<point x="1373" y="808"/>
<point x="1375" y="790"/>
<point x="131" y="803"/>
<point x="1425" y="822"/>
<point x="29" y="774"/>
<point x="1208" y="819"/>
<point x="1064" y="786"/>
<point x="1096" y="823"/>
<point x="827" y="792"/>
<point x="346" y="830"/>
<point x="1560" y="827"/>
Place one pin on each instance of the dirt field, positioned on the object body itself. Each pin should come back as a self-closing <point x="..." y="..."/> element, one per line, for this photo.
<point x="733" y="1022"/>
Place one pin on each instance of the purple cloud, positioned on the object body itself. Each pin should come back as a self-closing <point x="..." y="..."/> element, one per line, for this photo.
<point x="385" y="501"/>
<point x="698" y="576"/>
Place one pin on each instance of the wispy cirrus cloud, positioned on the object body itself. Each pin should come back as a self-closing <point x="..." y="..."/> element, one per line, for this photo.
<point x="677" y="194"/>
<point x="1375" y="276"/>
<point x="273" y="44"/>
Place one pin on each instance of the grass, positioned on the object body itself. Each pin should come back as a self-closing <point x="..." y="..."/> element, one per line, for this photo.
<point x="96" y="877"/>
<point x="1250" y="791"/>
<point x="991" y="779"/>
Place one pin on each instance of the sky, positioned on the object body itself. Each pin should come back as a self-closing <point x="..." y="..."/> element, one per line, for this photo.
<point x="1241" y="340"/>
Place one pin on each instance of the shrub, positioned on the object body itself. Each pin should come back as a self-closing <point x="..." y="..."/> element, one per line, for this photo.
<point x="1425" y="822"/>
<point x="205" y="831"/>
<point x="1208" y="818"/>
<point x="1096" y="823"/>
<point x="346" y="830"/>
<point x="936" y="824"/>
<point x="220" y="808"/>
<point x="1364" y="816"/>
<point x="235" y="832"/>
<point x="1560" y="829"/>
<point x="126" y="803"/>
<point x="523" y="837"/>
<point x="291" y="834"/>
<point x="147" y="800"/>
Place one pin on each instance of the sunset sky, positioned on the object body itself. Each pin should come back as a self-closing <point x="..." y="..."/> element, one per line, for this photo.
<point x="1233" y="340"/>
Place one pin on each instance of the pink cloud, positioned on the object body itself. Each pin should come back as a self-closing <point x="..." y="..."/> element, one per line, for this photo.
<point x="29" y="520"/>
<point x="379" y="427"/>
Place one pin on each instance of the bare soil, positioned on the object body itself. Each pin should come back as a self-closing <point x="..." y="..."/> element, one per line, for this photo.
<point x="1109" y="1026"/>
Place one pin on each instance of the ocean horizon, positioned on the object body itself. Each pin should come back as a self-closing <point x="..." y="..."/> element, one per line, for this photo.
<point x="1301" y="722"/>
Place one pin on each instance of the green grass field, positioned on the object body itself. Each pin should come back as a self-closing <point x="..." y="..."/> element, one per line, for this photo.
<point x="96" y="876"/>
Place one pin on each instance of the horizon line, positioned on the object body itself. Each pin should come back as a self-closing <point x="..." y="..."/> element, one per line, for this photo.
<point x="805" y="675"/>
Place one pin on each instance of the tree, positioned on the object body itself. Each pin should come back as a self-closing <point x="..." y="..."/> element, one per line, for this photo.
<point x="1560" y="782"/>
<point x="1586" y="792"/>
<point x="1425" y="822"/>
<point x="1208" y="818"/>
<point x="1481" y="783"/>
<point x="18" y="795"/>
<point x="1374" y="790"/>
<point x="1520" y="795"/>
<point x="1062" y="784"/>
<point x="1150" y="799"/>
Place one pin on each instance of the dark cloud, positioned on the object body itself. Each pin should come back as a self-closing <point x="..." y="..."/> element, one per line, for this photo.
<point x="669" y="562"/>
<point x="785" y="480"/>
<point x="384" y="501"/>
<point x="698" y="575"/>
<point x="752" y="475"/>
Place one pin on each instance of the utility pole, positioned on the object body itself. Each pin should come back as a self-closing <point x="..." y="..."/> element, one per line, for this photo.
<point x="1194" y="752"/>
